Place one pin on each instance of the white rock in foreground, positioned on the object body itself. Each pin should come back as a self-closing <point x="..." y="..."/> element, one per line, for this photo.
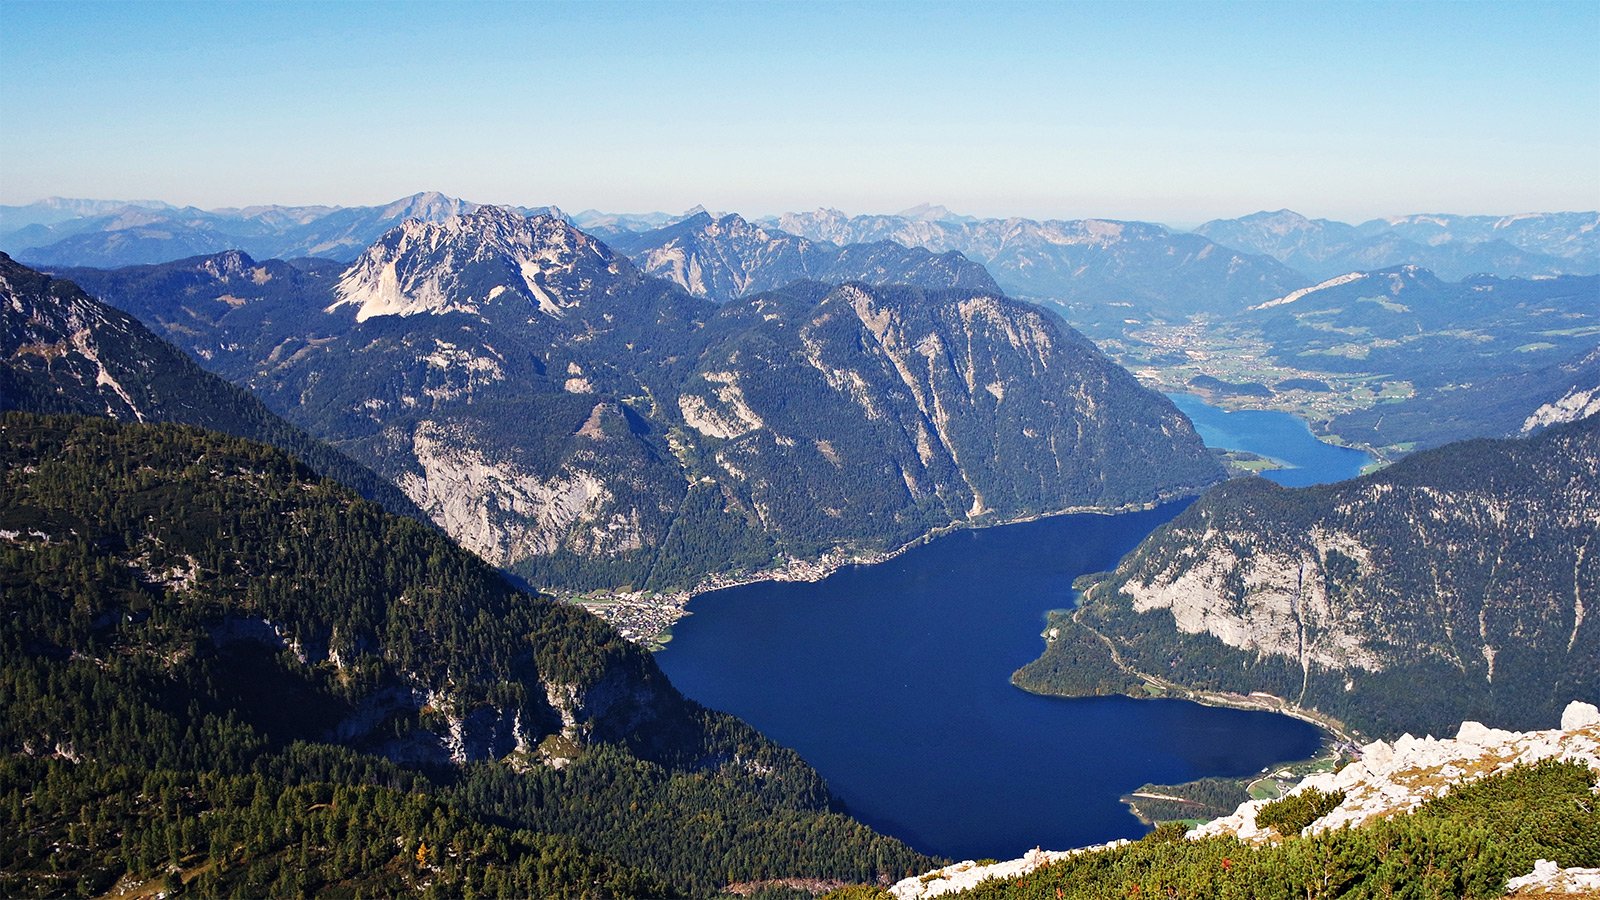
<point x="966" y="875"/>
<point x="1395" y="778"/>
<point x="1549" y="878"/>
<point x="1579" y="715"/>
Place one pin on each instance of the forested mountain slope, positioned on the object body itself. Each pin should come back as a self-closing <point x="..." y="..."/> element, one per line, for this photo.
<point x="1492" y="404"/>
<point x="1408" y="321"/>
<point x="216" y="663"/>
<point x="1456" y="584"/>
<point x="62" y="351"/>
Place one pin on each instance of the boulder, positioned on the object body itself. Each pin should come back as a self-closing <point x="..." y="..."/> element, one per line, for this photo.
<point x="1579" y="715"/>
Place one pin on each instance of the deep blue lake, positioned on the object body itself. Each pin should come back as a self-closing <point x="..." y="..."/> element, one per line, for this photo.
<point x="1277" y="435"/>
<point x="893" y="680"/>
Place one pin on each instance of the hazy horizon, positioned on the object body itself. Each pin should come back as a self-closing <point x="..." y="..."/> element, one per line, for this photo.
<point x="1175" y="113"/>
<point x="753" y="216"/>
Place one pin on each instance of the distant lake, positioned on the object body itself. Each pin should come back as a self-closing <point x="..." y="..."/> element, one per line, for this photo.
<point x="1280" y="436"/>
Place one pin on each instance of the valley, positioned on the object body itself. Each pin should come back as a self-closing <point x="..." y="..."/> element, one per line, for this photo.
<point x="1380" y="381"/>
<point x="1171" y="357"/>
<point x="631" y="450"/>
<point x="845" y="512"/>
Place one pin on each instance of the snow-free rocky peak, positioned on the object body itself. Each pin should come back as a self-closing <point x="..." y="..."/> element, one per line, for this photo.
<point x="469" y="260"/>
<point x="429" y="206"/>
<point x="722" y="259"/>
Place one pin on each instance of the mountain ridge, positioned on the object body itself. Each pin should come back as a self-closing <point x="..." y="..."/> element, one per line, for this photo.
<point x="1546" y="243"/>
<point x="727" y="257"/>
<point x="1444" y="587"/>
<point x="62" y="351"/>
<point x="637" y="418"/>
<point x="1085" y="261"/>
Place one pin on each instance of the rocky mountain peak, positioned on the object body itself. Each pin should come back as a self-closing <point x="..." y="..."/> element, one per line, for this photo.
<point x="471" y="259"/>
<point x="733" y="223"/>
<point x="1283" y="221"/>
<point x="228" y="264"/>
<point x="932" y="212"/>
<point x="431" y="206"/>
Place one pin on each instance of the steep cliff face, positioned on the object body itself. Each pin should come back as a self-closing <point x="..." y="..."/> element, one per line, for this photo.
<point x="463" y="262"/>
<point x="1458" y="583"/>
<point x="64" y="351"/>
<point x="891" y="405"/>
<point x="589" y="426"/>
<point x="1576" y="395"/>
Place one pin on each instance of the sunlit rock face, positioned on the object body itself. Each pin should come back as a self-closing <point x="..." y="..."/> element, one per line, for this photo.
<point x="1464" y="575"/>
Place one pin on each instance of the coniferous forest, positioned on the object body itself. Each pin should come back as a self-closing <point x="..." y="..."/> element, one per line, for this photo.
<point x="209" y="652"/>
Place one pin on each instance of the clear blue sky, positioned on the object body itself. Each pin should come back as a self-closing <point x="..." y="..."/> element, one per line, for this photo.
<point x="1171" y="112"/>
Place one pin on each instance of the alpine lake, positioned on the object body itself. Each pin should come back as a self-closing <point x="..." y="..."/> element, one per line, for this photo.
<point x="893" y="680"/>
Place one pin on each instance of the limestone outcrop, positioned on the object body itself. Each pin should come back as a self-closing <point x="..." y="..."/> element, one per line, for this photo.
<point x="1393" y="778"/>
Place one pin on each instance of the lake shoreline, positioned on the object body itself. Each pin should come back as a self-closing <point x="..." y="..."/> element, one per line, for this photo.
<point x="915" y="654"/>
<point x="652" y="629"/>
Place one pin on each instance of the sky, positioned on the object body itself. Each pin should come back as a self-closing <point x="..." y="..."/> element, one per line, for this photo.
<point x="1171" y="112"/>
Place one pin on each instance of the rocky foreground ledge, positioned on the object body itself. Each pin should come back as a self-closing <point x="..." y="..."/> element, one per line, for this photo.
<point x="1388" y="779"/>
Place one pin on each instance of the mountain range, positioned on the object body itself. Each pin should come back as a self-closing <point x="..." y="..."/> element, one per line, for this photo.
<point x="1453" y="246"/>
<point x="1221" y="266"/>
<point x="588" y="425"/>
<point x="728" y="257"/>
<point x="108" y="234"/>
<point x="1084" y="262"/>
<point x="1089" y="261"/>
